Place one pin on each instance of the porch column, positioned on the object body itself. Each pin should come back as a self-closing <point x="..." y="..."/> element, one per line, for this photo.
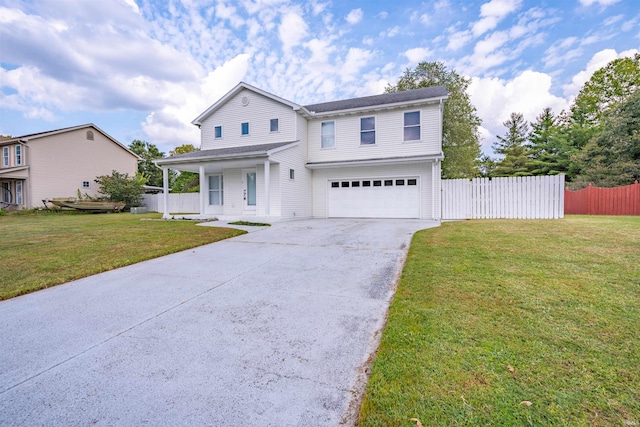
<point x="267" y="175"/>
<point x="165" y="193"/>
<point x="202" y="192"/>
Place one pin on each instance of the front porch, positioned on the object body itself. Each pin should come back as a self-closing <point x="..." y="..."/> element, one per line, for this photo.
<point x="235" y="183"/>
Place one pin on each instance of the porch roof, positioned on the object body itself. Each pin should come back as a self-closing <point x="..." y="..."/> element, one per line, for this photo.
<point x="230" y="153"/>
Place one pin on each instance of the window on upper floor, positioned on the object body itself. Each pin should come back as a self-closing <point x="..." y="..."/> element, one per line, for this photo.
<point x="217" y="132"/>
<point x="292" y="174"/>
<point x="18" y="155"/>
<point x="5" y="156"/>
<point x="328" y="134"/>
<point x="412" y="126"/>
<point x="244" y="128"/>
<point x="274" y="125"/>
<point x="367" y="130"/>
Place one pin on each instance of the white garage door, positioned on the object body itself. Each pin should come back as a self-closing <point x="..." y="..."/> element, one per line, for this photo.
<point x="374" y="198"/>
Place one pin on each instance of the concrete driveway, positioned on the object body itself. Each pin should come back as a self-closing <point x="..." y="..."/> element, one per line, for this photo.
<point x="271" y="328"/>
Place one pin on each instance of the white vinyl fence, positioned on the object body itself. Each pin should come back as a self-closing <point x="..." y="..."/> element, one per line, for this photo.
<point x="178" y="202"/>
<point x="528" y="197"/>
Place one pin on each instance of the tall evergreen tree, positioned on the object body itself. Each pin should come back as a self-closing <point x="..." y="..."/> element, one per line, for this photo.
<point x="550" y="151"/>
<point x="612" y="157"/>
<point x="460" y="137"/>
<point x="513" y="147"/>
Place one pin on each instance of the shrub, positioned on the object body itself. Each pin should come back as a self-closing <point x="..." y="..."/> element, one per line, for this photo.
<point x="120" y="187"/>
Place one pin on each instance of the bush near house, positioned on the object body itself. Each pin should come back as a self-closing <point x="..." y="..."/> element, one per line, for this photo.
<point x="120" y="187"/>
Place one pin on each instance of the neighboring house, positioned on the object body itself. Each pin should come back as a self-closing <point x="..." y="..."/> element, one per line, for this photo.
<point x="372" y="157"/>
<point x="58" y="163"/>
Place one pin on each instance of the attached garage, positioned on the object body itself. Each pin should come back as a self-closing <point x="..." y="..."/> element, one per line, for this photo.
<point x="386" y="197"/>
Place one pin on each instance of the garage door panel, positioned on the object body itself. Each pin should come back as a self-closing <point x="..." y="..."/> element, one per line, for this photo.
<point x="392" y="198"/>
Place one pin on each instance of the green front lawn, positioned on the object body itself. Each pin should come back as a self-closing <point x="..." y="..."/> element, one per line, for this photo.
<point x="490" y="316"/>
<point x="48" y="248"/>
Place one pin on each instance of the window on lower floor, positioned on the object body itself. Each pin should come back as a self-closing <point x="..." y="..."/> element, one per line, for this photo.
<point x="19" y="192"/>
<point x="86" y="184"/>
<point x="216" y="190"/>
<point x="6" y="193"/>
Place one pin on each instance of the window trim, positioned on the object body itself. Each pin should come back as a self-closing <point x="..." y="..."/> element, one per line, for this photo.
<point x="419" y="125"/>
<point x="248" y="129"/>
<point x="215" y="130"/>
<point x="375" y="136"/>
<point x="18" y="152"/>
<point x="277" y="122"/>
<point x="219" y="190"/>
<point x="322" y="147"/>
<point x="6" y="156"/>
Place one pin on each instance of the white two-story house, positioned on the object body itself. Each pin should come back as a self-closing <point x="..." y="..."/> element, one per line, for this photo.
<point x="372" y="157"/>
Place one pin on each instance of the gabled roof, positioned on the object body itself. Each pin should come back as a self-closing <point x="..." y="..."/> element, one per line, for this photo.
<point x="240" y="86"/>
<point x="31" y="136"/>
<point x="261" y="150"/>
<point x="386" y="99"/>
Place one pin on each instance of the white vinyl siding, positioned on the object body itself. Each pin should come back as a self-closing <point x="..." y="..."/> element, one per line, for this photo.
<point x="389" y="129"/>
<point x="258" y="113"/>
<point x="295" y="194"/>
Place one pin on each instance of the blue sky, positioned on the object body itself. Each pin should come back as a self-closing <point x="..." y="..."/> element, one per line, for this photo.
<point x="144" y="69"/>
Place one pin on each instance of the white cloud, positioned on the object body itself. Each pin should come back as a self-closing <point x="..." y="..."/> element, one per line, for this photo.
<point x="603" y="3"/>
<point x="459" y="39"/>
<point x="292" y="30"/>
<point x="418" y="54"/>
<point x="492" y="13"/>
<point x="170" y="124"/>
<point x="354" y="16"/>
<point x="495" y="99"/>
<point x="599" y="60"/>
<point x="355" y="60"/>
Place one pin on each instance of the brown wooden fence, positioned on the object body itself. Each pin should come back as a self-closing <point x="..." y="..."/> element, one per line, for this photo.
<point x="603" y="201"/>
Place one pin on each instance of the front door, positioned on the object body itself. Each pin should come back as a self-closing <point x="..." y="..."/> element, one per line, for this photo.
<point x="250" y="196"/>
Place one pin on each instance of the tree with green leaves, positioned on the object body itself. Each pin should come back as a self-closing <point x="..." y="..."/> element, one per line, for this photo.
<point x="185" y="182"/>
<point x="612" y="157"/>
<point x="609" y="86"/>
<point x="120" y="187"/>
<point x="146" y="168"/>
<point x="513" y="147"/>
<point x="550" y="150"/>
<point x="460" y="137"/>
